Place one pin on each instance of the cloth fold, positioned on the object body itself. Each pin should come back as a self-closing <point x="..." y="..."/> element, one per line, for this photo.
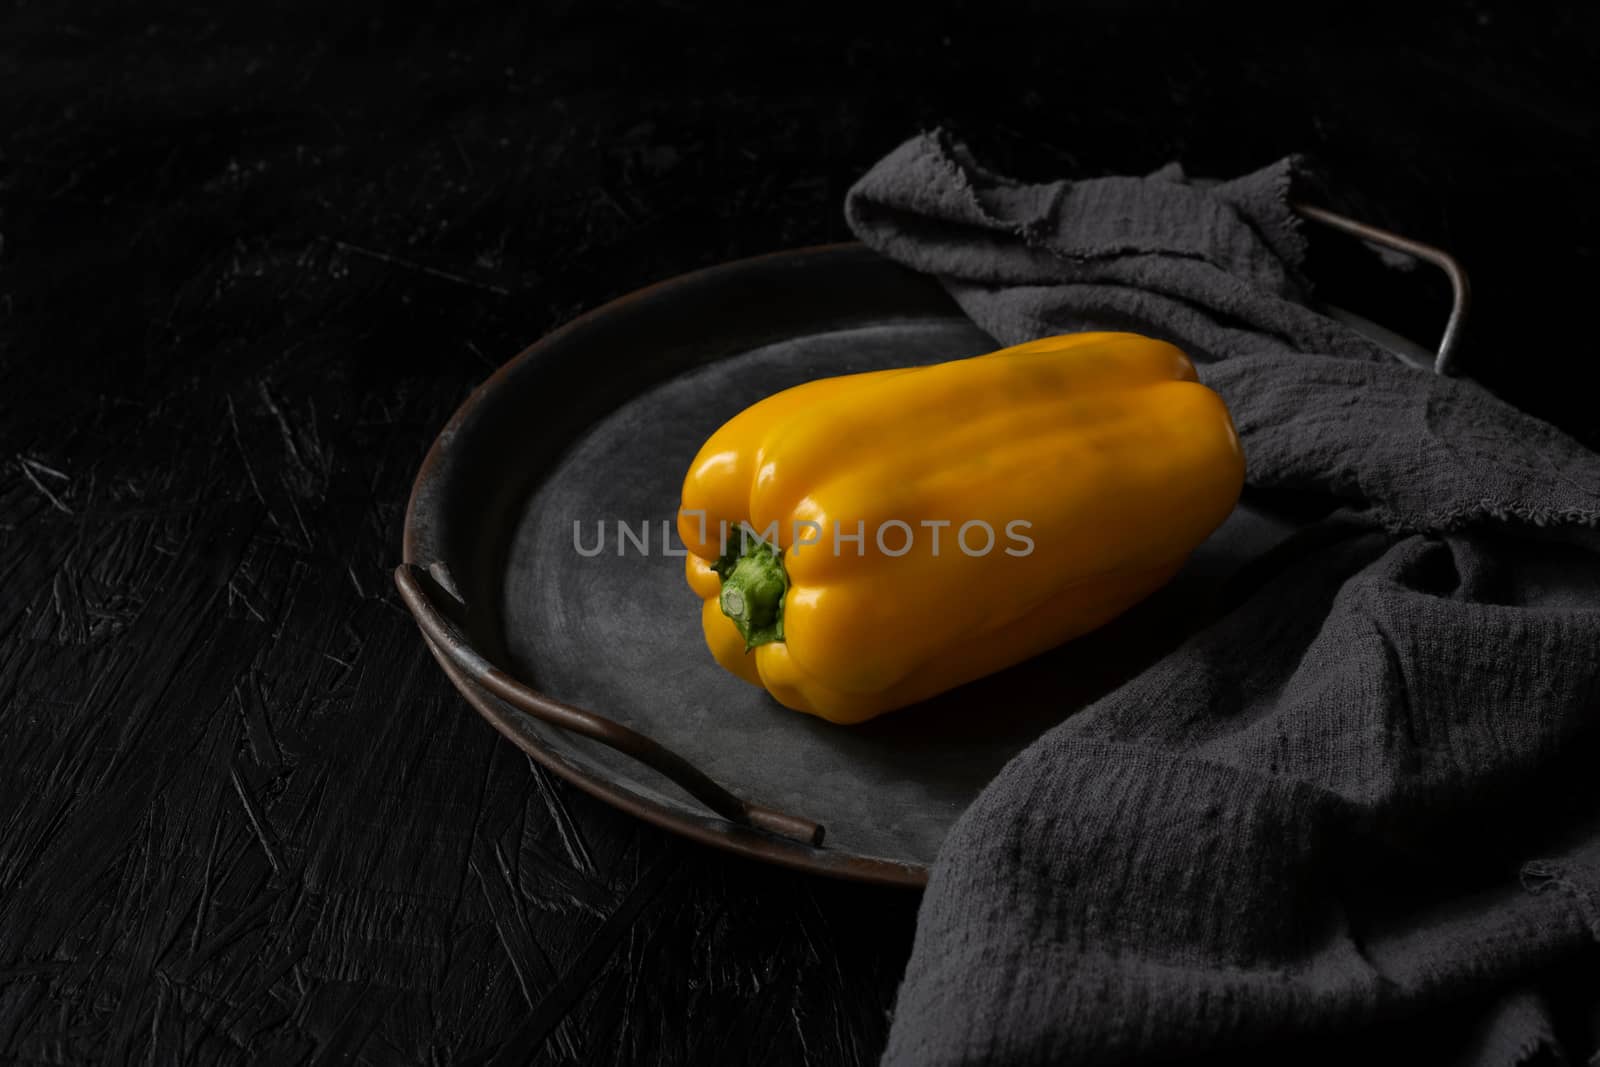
<point x="1357" y="811"/>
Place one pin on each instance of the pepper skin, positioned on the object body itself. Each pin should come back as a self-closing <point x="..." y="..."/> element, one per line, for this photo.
<point x="1104" y="445"/>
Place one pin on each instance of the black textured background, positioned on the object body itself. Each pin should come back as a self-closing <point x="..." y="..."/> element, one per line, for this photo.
<point x="251" y="259"/>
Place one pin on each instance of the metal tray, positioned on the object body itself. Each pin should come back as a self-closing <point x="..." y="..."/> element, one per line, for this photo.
<point x="595" y="666"/>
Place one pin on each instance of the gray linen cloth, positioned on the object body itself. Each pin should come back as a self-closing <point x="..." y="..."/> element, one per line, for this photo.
<point x="1356" y="813"/>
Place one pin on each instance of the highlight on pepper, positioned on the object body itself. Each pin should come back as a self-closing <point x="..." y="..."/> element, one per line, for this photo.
<point x="1102" y="450"/>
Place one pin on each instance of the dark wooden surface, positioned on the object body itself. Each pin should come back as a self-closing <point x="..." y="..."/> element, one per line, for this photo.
<point x="248" y="265"/>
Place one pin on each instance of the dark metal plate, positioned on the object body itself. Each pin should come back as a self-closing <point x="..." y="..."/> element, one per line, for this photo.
<point x="598" y="423"/>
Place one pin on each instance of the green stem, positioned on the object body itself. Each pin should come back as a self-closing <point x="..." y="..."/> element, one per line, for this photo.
<point x="753" y="586"/>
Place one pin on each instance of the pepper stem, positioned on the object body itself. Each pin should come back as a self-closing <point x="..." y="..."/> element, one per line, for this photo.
<point x="753" y="587"/>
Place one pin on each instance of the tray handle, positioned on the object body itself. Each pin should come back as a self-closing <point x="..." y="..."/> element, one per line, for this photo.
<point x="417" y="589"/>
<point x="1460" y="289"/>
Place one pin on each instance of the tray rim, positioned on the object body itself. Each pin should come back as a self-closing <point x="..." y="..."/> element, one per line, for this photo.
<point x="708" y="829"/>
<point x="495" y="700"/>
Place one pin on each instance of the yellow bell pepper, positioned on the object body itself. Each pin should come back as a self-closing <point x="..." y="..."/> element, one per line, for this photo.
<point x="868" y="541"/>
